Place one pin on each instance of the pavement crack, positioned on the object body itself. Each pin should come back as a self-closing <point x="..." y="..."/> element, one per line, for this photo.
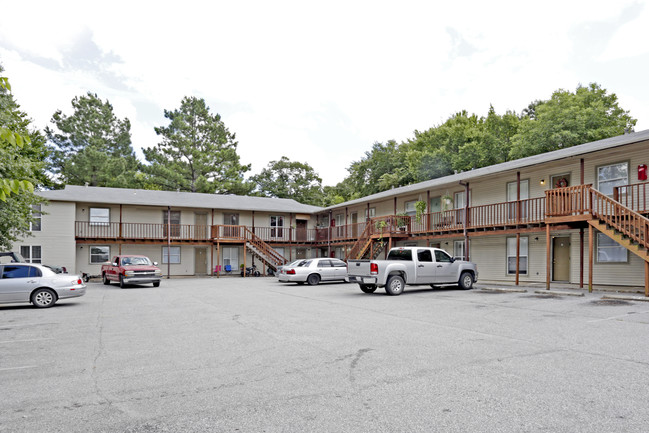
<point x="354" y="363"/>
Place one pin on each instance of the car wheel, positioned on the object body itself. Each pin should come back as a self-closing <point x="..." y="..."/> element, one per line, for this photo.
<point x="257" y="274"/>
<point x="43" y="298"/>
<point x="105" y="279"/>
<point x="367" y="288"/>
<point x="466" y="281"/>
<point x="86" y="278"/>
<point x="156" y="284"/>
<point x="313" y="279"/>
<point x="395" y="285"/>
<point x="121" y="282"/>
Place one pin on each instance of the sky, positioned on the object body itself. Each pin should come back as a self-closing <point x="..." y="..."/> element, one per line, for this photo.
<point x="320" y="82"/>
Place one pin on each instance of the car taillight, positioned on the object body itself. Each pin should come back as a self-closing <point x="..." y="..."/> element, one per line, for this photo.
<point x="79" y="281"/>
<point x="290" y="271"/>
<point x="374" y="268"/>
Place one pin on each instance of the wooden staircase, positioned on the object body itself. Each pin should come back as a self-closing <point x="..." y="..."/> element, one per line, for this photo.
<point x="362" y="244"/>
<point x="263" y="251"/>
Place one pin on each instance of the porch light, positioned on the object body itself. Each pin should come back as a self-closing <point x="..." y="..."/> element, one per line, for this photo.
<point x="542" y="182"/>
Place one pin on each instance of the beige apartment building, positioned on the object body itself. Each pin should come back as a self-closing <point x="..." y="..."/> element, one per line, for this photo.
<point x="573" y="215"/>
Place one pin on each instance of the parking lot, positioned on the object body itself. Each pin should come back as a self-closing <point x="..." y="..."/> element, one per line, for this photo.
<point x="255" y="355"/>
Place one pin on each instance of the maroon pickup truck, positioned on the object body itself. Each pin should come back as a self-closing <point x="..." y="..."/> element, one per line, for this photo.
<point x="131" y="269"/>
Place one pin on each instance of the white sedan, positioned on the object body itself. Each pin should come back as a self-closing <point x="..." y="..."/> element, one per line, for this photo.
<point x="25" y="282"/>
<point x="312" y="271"/>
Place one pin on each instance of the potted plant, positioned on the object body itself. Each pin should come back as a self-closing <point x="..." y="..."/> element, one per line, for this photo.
<point x="379" y="226"/>
<point x="402" y="220"/>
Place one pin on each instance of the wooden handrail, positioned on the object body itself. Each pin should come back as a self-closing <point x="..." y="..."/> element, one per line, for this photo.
<point x="568" y="201"/>
<point x="633" y="195"/>
<point x="620" y="217"/>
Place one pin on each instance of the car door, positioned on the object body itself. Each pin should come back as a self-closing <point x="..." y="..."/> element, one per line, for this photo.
<point x="426" y="267"/>
<point x="326" y="270"/>
<point x="340" y="269"/>
<point x="446" y="270"/>
<point x="17" y="282"/>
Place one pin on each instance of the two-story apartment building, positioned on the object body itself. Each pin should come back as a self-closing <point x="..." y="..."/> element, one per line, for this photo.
<point x="573" y="215"/>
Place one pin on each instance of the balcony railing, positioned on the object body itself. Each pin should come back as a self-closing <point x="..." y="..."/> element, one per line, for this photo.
<point x="568" y="203"/>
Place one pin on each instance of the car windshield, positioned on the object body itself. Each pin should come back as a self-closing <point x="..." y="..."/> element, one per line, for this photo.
<point x="400" y="255"/>
<point x="130" y="261"/>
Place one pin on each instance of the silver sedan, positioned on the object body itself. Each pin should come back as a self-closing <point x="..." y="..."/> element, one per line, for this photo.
<point x="312" y="271"/>
<point x="25" y="282"/>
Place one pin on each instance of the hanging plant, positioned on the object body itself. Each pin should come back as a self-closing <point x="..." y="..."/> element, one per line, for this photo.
<point x="447" y="202"/>
<point x="420" y="208"/>
<point x="379" y="226"/>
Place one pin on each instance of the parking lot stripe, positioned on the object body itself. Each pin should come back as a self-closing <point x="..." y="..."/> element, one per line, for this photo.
<point x="18" y="368"/>
<point x="23" y="341"/>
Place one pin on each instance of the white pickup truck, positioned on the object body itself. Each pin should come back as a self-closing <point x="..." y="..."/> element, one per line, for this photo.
<point x="412" y="266"/>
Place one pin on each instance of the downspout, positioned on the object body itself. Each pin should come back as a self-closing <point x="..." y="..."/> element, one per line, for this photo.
<point x="168" y="241"/>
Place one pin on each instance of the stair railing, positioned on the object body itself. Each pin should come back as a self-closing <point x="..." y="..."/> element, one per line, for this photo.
<point x="621" y="218"/>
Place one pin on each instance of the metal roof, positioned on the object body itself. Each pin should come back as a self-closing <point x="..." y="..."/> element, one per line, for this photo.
<point x="608" y="143"/>
<point x="143" y="197"/>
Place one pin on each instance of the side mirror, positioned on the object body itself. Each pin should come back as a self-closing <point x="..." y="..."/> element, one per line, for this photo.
<point x="114" y="264"/>
<point x="155" y="263"/>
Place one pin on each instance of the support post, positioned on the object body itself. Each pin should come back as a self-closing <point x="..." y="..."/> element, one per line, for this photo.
<point x="168" y="241"/>
<point x="245" y="257"/>
<point x="590" y="258"/>
<point x="646" y="278"/>
<point x="581" y="258"/>
<point x="547" y="256"/>
<point x="518" y="256"/>
<point x="218" y="258"/>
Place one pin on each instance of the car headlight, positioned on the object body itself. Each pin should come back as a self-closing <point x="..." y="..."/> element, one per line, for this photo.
<point x="129" y="273"/>
<point x="158" y="272"/>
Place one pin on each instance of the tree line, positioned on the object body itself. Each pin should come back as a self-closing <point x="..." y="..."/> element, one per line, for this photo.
<point x="198" y="153"/>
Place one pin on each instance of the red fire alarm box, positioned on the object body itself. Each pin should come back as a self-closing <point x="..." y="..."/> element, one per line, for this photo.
<point x="642" y="172"/>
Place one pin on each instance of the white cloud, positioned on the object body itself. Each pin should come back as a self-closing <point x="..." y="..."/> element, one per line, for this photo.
<point x="317" y="82"/>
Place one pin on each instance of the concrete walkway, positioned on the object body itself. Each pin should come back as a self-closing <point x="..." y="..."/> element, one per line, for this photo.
<point x="565" y="288"/>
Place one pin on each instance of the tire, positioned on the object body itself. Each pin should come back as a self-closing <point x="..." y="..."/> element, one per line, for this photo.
<point x="367" y="288"/>
<point x="466" y="281"/>
<point x="121" y="282"/>
<point x="313" y="279"/>
<point x="105" y="279"/>
<point x="395" y="285"/>
<point x="43" y="298"/>
<point x="257" y="274"/>
<point x="241" y="274"/>
<point x="156" y="284"/>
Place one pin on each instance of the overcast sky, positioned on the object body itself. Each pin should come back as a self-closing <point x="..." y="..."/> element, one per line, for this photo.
<point x="320" y="82"/>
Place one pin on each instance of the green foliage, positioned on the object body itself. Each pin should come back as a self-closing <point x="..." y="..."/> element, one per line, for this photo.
<point x="466" y="141"/>
<point x="568" y="119"/>
<point x="22" y="166"/>
<point x="197" y="153"/>
<point x="93" y="146"/>
<point x="420" y="208"/>
<point x="289" y="179"/>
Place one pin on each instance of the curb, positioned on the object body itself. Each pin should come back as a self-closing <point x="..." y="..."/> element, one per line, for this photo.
<point x="627" y="298"/>
<point x="502" y="290"/>
<point x="557" y="292"/>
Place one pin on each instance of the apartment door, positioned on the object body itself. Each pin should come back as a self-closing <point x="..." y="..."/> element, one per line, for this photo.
<point x="231" y="223"/>
<point x="300" y="253"/>
<point x="200" y="261"/>
<point x="200" y="227"/>
<point x="300" y="227"/>
<point x="354" y="222"/>
<point x="561" y="259"/>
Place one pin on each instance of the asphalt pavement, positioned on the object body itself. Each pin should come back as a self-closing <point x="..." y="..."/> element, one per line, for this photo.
<point x="255" y="355"/>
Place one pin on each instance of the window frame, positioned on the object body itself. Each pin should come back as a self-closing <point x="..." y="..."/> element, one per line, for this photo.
<point x="29" y="258"/>
<point x="456" y="248"/>
<point x="609" y="262"/>
<point x="599" y="167"/>
<point x="90" y="261"/>
<point x="36" y="225"/>
<point x="167" y="255"/>
<point x="101" y="221"/>
<point x="525" y="256"/>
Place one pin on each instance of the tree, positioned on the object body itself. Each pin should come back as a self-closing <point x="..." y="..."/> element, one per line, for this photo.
<point x="93" y="146"/>
<point x="290" y="179"/>
<point x="197" y="153"/>
<point x="568" y="119"/>
<point x="22" y="167"/>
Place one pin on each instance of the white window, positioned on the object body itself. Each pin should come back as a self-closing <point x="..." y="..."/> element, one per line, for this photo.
<point x="171" y="255"/>
<point x="610" y="176"/>
<point x="371" y="214"/>
<point x="609" y="251"/>
<point x="410" y="208"/>
<point x="340" y="220"/>
<point x="35" y="225"/>
<point x="276" y="226"/>
<point x="99" y="254"/>
<point x="31" y="253"/>
<point x="231" y="258"/>
<point x="511" y="256"/>
<point x="512" y="194"/>
<point x="99" y="216"/>
<point x="458" y="250"/>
